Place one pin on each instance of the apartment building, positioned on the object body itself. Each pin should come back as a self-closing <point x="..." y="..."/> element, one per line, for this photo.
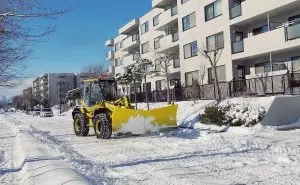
<point x="80" y="77"/>
<point x="53" y="87"/>
<point x="256" y="39"/>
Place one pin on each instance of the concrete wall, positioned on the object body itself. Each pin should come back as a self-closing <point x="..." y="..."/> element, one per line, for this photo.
<point x="283" y="111"/>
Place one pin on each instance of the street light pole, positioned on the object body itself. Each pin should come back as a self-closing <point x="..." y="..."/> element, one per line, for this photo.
<point x="59" y="84"/>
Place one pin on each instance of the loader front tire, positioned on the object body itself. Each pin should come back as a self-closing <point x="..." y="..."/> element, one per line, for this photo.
<point x="102" y="126"/>
<point x="81" y="125"/>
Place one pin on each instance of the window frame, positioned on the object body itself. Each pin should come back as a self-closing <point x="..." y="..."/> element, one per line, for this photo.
<point x="146" y="27"/>
<point x="192" y="72"/>
<point x="143" y="52"/>
<point x="154" y="18"/>
<point x="154" y="41"/>
<point x="190" y="27"/>
<point x="216" y="39"/>
<point x="191" y="50"/>
<point x="210" y="73"/>
<point x="214" y="13"/>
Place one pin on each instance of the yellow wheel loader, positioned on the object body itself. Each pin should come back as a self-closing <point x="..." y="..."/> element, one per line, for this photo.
<point x="99" y="110"/>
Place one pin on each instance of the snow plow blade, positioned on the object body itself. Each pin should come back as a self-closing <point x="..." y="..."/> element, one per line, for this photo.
<point x="142" y="121"/>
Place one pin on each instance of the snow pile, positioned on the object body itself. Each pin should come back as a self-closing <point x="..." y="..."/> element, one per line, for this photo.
<point x="140" y="125"/>
<point x="243" y="114"/>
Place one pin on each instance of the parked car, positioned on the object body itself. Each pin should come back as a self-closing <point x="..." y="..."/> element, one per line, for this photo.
<point x="36" y="112"/>
<point x="46" y="112"/>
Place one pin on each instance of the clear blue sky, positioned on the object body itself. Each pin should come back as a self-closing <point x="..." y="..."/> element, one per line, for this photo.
<point x="80" y="36"/>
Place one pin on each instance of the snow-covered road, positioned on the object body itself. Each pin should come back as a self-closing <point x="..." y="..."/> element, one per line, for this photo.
<point x="183" y="156"/>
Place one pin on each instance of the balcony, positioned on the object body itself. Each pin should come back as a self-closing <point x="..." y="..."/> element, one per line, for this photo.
<point x="176" y="63"/>
<point x="250" y="10"/>
<point x="169" y="42"/>
<point x="162" y="3"/>
<point x="281" y="39"/>
<point x="130" y="59"/>
<point x="293" y="31"/>
<point x="110" y="55"/>
<point x="237" y="47"/>
<point x="109" y="42"/>
<point x="130" y="42"/>
<point x="130" y="27"/>
<point x="167" y="19"/>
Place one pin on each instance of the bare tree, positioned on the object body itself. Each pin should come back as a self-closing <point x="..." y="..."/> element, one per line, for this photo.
<point x="16" y="37"/>
<point x="165" y="60"/>
<point x="93" y="70"/>
<point x="213" y="55"/>
<point x="141" y="69"/>
<point x="202" y="71"/>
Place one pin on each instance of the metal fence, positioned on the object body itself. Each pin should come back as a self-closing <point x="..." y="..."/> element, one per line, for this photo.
<point x="261" y="86"/>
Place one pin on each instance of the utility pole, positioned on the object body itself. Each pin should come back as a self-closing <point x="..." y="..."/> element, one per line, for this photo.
<point x="59" y="85"/>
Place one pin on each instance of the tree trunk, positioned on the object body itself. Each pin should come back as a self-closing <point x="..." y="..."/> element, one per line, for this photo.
<point x="126" y="89"/>
<point x="168" y="89"/>
<point x="146" y="91"/>
<point x="218" y="97"/>
<point x="134" y="83"/>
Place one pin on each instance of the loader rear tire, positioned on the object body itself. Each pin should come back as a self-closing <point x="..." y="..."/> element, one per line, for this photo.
<point x="102" y="126"/>
<point x="81" y="125"/>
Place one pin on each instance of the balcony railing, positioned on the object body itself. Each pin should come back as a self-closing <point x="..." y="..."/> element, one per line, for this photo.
<point x="235" y="11"/>
<point x="293" y="31"/>
<point x="237" y="47"/>
<point x="175" y="37"/>
<point x="135" y="37"/>
<point x="174" y="10"/>
<point x="176" y="63"/>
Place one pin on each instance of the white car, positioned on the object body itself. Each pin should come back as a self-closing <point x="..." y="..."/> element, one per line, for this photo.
<point x="46" y="112"/>
<point x="36" y="112"/>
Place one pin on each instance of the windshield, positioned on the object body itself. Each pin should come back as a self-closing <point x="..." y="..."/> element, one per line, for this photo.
<point x="97" y="91"/>
<point x="92" y="93"/>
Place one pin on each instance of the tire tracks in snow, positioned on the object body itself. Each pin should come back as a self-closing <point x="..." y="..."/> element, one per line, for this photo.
<point x="93" y="171"/>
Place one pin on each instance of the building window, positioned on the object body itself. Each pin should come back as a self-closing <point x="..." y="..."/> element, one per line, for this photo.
<point x="184" y="1"/>
<point x="264" y="67"/>
<point x="145" y="47"/>
<point x="145" y="27"/>
<point x="148" y="87"/>
<point x="157" y="42"/>
<point x="118" y="62"/>
<point x="260" y="30"/>
<point x="215" y="41"/>
<point x="190" y="50"/>
<point x="160" y="85"/>
<point x="135" y="37"/>
<point x="192" y="78"/>
<point x="117" y="46"/>
<point x="213" y="10"/>
<point x="156" y="20"/>
<point x="296" y="64"/>
<point x="189" y="21"/>
<point x="157" y="65"/>
<point x="221" y="73"/>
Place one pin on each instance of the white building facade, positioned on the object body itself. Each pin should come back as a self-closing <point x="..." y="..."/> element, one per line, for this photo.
<point x="256" y="38"/>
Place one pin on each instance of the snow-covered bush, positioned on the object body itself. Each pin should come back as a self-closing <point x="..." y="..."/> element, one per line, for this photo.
<point x="243" y="114"/>
<point x="213" y="115"/>
<point x="233" y="114"/>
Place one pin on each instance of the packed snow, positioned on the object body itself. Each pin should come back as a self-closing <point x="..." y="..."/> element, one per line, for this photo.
<point x="35" y="150"/>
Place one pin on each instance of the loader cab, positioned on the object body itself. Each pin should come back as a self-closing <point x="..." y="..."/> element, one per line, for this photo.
<point x="98" y="90"/>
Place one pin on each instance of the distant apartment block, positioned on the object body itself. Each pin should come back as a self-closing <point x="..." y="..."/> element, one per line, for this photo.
<point x="256" y="37"/>
<point x="53" y="87"/>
